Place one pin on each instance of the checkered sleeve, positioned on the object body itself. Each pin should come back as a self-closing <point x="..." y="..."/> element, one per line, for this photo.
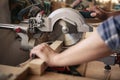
<point x="109" y="31"/>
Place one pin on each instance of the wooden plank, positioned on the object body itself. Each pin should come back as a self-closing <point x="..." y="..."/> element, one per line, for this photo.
<point x="56" y="76"/>
<point x="16" y="73"/>
<point x="37" y="66"/>
<point x="57" y="45"/>
<point x="8" y="69"/>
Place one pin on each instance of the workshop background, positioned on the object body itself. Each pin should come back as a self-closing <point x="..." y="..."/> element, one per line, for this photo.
<point x="17" y="11"/>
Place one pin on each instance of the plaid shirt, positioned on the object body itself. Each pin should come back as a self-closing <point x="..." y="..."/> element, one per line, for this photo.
<point x="109" y="31"/>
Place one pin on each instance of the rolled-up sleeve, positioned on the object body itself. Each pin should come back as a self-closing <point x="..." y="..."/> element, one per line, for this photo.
<point x="109" y="31"/>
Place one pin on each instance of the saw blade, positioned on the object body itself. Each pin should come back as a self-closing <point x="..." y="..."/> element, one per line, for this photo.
<point x="66" y="32"/>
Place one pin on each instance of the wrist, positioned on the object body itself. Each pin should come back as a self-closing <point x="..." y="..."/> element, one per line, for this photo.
<point x="52" y="59"/>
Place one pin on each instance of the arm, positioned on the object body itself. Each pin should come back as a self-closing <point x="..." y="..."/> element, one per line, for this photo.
<point x="102" y="14"/>
<point x="75" y="3"/>
<point x="89" y="49"/>
<point x="115" y="13"/>
<point x="100" y="44"/>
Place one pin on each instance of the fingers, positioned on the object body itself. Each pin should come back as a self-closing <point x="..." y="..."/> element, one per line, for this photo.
<point x="98" y="12"/>
<point x="41" y="46"/>
<point x="38" y="49"/>
<point x="93" y="14"/>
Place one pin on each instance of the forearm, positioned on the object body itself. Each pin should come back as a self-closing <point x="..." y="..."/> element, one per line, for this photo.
<point x="115" y="13"/>
<point x="75" y="3"/>
<point x="102" y="14"/>
<point x="89" y="49"/>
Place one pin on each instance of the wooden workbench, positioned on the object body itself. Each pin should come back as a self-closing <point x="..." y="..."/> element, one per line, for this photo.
<point x="34" y="69"/>
<point x="16" y="71"/>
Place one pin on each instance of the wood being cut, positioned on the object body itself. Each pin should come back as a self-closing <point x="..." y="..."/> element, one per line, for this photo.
<point x="37" y="66"/>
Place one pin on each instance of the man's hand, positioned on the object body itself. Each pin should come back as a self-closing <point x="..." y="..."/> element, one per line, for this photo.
<point x="99" y="13"/>
<point x="44" y="52"/>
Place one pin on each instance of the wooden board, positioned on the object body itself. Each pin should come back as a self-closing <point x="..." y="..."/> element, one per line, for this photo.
<point x="16" y="73"/>
<point x="57" y="76"/>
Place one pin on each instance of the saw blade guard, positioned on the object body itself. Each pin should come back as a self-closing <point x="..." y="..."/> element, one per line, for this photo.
<point x="71" y="16"/>
<point x="68" y="25"/>
<point x="65" y="32"/>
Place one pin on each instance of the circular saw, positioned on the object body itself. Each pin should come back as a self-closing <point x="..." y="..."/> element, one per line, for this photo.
<point x="64" y="24"/>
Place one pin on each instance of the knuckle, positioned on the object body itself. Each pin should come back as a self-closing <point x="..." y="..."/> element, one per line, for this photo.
<point x="41" y="49"/>
<point x="43" y="45"/>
